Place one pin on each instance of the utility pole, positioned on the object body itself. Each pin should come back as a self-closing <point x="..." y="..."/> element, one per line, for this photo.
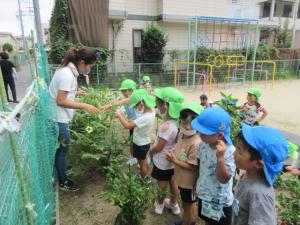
<point x="25" y="45"/>
<point x="295" y="15"/>
<point x="37" y="19"/>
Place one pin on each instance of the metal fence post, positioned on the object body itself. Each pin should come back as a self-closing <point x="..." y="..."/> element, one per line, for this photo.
<point x="97" y="73"/>
<point x="139" y="71"/>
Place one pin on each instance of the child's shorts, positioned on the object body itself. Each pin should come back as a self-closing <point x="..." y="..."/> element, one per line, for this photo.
<point x="131" y="132"/>
<point x="187" y="195"/>
<point x="140" y="152"/>
<point x="162" y="175"/>
<point x="223" y="221"/>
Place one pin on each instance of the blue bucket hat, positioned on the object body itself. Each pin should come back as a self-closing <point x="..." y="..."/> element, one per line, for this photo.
<point x="271" y="145"/>
<point x="212" y="121"/>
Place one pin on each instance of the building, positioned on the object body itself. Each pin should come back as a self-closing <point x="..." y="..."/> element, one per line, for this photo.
<point x="277" y="12"/>
<point x="129" y="18"/>
<point x="6" y="37"/>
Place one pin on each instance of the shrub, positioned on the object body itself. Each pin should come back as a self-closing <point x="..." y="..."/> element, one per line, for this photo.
<point x="7" y="47"/>
<point x="154" y="41"/>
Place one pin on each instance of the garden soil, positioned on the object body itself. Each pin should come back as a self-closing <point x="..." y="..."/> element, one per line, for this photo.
<point x="87" y="208"/>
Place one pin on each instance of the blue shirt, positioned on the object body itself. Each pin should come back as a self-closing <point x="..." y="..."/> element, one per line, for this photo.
<point x="208" y="186"/>
<point x="132" y="114"/>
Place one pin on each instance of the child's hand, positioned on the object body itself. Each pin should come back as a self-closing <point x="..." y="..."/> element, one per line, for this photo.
<point x="170" y="156"/>
<point x="118" y="114"/>
<point x="220" y="149"/>
<point x="104" y="108"/>
<point x="292" y="170"/>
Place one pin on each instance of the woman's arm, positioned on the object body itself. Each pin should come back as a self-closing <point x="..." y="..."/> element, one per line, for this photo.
<point x="62" y="101"/>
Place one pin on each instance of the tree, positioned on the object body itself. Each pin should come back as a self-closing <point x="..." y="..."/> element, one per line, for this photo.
<point x="154" y="41"/>
<point x="7" y="47"/>
<point x="282" y="37"/>
<point x="59" y="31"/>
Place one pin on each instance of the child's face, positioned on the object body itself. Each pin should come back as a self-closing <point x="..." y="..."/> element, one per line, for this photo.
<point x="126" y="93"/>
<point x="242" y="157"/>
<point x="186" y="123"/>
<point x="251" y="98"/>
<point x="203" y="102"/>
<point x="211" y="139"/>
<point x="162" y="107"/>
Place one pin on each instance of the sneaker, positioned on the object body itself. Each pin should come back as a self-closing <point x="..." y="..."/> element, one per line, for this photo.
<point x="9" y="100"/>
<point x="132" y="161"/>
<point x="16" y="101"/>
<point x="159" y="208"/>
<point x="68" y="185"/>
<point x="174" y="208"/>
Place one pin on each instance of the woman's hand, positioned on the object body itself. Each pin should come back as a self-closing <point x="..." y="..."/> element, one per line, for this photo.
<point x="81" y="93"/>
<point x="91" y="109"/>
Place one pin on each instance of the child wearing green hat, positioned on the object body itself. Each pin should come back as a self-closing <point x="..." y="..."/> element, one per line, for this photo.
<point x="216" y="166"/>
<point x="127" y="87"/>
<point x="185" y="160"/>
<point x="260" y="151"/>
<point x="252" y="108"/>
<point x="142" y="126"/>
<point x="169" y="101"/>
<point x="146" y="84"/>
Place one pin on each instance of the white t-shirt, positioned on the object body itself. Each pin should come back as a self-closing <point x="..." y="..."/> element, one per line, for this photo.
<point x="143" y="129"/>
<point x="64" y="79"/>
<point x="167" y="131"/>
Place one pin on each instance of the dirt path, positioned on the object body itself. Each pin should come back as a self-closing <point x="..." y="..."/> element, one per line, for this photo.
<point x="282" y="103"/>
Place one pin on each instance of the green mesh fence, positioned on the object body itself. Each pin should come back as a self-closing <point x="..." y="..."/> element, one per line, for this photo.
<point x="27" y="188"/>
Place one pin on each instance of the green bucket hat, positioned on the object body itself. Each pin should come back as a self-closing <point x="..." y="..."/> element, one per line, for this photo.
<point x="128" y="84"/>
<point x="141" y="95"/>
<point x="257" y="92"/>
<point x="195" y="107"/>
<point x="146" y="78"/>
<point x="174" y="97"/>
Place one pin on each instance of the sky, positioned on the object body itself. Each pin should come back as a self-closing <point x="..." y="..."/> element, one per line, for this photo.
<point x="9" y="10"/>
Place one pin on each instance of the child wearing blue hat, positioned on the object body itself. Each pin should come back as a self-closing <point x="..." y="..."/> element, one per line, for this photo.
<point x="260" y="151"/>
<point x="216" y="166"/>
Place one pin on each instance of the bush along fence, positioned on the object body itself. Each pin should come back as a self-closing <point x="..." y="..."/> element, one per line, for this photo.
<point x="28" y="139"/>
<point x="111" y="75"/>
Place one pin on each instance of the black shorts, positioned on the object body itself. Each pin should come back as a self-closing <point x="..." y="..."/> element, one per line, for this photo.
<point x="223" y="221"/>
<point x="131" y="132"/>
<point x="187" y="195"/>
<point x="162" y="175"/>
<point x="140" y="152"/>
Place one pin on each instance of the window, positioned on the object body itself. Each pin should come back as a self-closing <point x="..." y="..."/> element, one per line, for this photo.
<point x="287" y="10"/>
<point x="137" y="45"/>
<point x="266" y="9"/>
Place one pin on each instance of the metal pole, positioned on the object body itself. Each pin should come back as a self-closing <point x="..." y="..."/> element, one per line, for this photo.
<point x="189" y="48"/>
<point x="295" y="14"/>
<point x="272" y="10"/>
<point x="34" y="55"/>
<point x="16" y="157"/>
<point x="25" y="45"/>
<point x="254" y="52"/>
<point x="37" y="19"/>
<point x="195" y="52"/>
